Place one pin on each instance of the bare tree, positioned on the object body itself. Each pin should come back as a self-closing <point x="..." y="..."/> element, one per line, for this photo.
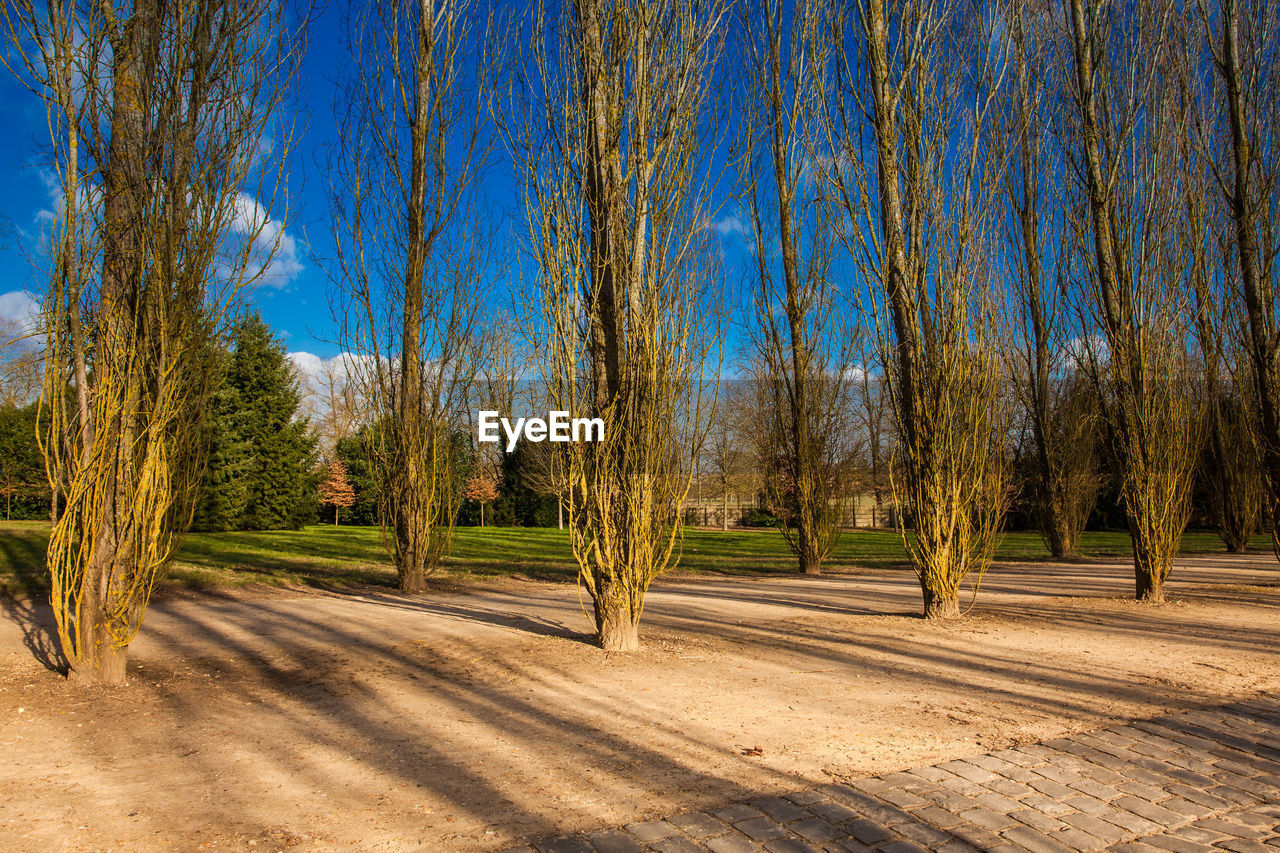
<point x="801" y="340"/>
<point x="915" y="83"/>
<point x="158" y="115"/>
<point x="543" y="468"/>
<point x="1134" y="332"/>
<point x="726" y="454"/>
<point x="21" y="367"/>
<point x="1229" y="464"/>
<point x="1240" y="139"/>
<point x="333" y="401"/>
<point x="608" y="125"/>
<point x="497" y="383"/>
<point x="871" y="412"/>
<point x="413" y="255"/>
<point x="1036" y="260"/>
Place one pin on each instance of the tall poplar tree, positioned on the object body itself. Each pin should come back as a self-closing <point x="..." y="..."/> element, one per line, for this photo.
<point x="413" y="255"/>
<point x="611" y="133"/>
<point x="158" y="117"/>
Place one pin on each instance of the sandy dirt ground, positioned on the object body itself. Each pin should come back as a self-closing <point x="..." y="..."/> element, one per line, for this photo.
<point x="266" y="721"/>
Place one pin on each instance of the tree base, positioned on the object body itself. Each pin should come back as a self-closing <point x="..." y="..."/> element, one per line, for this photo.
<point x="941" y="608"/>
<point x="411" y="579"/>
<point x="1150" y="594"/>
<point x="1148" y="586"/>
<point x="104" y="666"/>
<point x="617" y="633"/>
<point x="413" y="586"/>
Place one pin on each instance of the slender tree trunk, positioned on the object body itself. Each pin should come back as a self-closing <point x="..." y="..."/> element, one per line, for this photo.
<point x="628" y="92"/>
<point x="1228" y="521"/>
<point x="410" y="552"/>
<point x="1235" y="486"/>
<point x="792" y="354"/>
<point x="1050" y="507"/>
<point x="97" y="657"/>
<point x="1154" y="544"/>
<point x="907" y="348"/>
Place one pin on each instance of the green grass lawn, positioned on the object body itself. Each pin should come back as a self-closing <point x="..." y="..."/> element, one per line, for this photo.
<point x="344" y="557"/>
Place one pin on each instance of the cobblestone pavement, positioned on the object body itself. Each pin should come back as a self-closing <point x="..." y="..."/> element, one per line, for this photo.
<point x="1203" y="780"/>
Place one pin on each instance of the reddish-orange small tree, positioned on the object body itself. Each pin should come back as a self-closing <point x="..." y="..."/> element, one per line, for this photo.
<point x="482" y="488"/>
<point x="336" y="490"/>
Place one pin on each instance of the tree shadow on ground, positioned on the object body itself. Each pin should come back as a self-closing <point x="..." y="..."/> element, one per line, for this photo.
<point x="292" y="668"/>
<point x="298" y="687"/>
<point x="27" y="604"/>
<point x="459" y="610"/>
<point x="339" y="676"/>
<point x="1202" y="763"/>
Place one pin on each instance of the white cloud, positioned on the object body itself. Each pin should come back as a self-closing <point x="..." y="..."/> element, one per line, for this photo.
<point x="313" y="371"/>
<point x="45" y="218"/>
<point x="307" y="364"/>
<point x="272" y="245"/>
<point x="1085" y="349"/>
<point x="326" y="381"/>
<point x="53" y="189"/>
<point x="20" y="308"/>
<point x="731" y="225"/>
<point x="265" y="148"/>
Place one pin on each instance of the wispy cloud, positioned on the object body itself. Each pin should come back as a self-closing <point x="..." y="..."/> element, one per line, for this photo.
<point x="1088" y="348"/>
<point x="731" y="225"/>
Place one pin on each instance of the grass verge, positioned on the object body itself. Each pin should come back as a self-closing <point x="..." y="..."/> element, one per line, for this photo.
<point x="330" y="557"/>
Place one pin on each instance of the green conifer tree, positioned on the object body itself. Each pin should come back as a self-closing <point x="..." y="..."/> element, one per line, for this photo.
<point x="223" y="494"/>
<point x="24" y="490"/>
<point x="262" y="463"/>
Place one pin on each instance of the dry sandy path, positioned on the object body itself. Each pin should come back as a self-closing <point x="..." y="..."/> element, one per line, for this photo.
<point x="476" y="721"/>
